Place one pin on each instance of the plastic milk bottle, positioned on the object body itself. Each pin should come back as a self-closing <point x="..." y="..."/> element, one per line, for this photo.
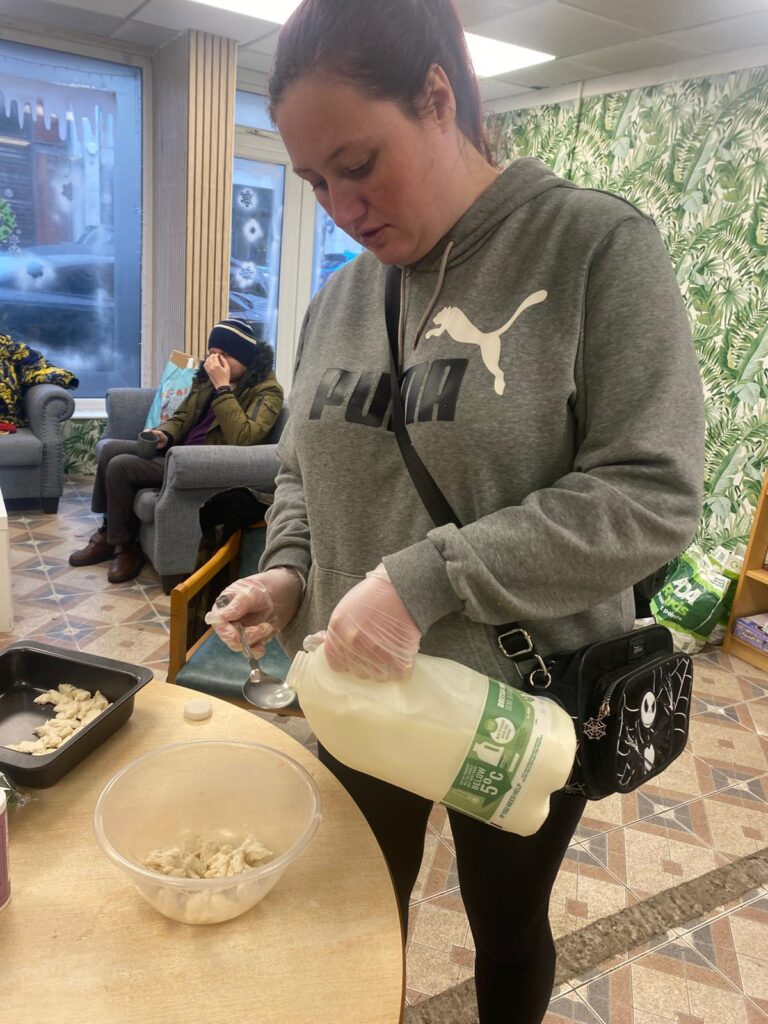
<point x="448" y="733"/>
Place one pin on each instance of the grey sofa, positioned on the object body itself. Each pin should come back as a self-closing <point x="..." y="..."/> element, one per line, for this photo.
<point x="170" y="526"/>
<point x="32" y="459"/>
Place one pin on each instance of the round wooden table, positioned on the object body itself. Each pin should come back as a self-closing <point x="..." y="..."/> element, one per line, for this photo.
<point x="78" y="943"/>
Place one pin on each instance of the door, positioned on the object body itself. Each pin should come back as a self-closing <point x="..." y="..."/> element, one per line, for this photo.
<point x="284" y="247"/>
<point x="264" y="247"/>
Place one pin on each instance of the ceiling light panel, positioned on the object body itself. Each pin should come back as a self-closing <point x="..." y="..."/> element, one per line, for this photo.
<point x="492" y="57"/>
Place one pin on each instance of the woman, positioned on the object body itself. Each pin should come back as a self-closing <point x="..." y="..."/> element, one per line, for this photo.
<point x="549" y="384"/>
<point x="235" y="399"/>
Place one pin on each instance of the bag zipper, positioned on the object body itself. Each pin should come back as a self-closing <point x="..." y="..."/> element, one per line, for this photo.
<point x="604" y="711"/>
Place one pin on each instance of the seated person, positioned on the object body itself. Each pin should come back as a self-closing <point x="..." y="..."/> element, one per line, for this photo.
<point x="235" y="399"/>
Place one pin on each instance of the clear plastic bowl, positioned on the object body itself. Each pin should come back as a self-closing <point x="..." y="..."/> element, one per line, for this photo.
<point x="217" y="789"/>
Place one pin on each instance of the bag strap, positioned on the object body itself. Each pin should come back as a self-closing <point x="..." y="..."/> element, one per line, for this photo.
<point x="514" y="641"/>
<point x="434" y="500"/>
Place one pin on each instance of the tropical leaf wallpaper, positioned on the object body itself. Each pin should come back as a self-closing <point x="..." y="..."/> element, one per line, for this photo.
<point x="694" y="155"/>
<point x="80" y="437"/>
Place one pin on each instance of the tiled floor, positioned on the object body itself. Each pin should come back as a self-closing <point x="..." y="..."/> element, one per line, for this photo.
<point x="77" y="608"/>
<point x="715" y="972"/>
<point x="710" y="808"/>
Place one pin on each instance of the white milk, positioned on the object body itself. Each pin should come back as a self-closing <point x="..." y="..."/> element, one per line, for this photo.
<point x="448" y="733"/>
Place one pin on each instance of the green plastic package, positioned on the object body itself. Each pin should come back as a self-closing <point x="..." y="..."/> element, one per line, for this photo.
<point x="16" y="797"/>
<point x="695" y="601"/>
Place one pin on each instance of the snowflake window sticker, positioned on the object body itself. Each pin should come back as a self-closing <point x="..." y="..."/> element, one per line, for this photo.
<point x="245" y="275"/>
<point x="252" y="230"/>
<point x="248" y="198"/>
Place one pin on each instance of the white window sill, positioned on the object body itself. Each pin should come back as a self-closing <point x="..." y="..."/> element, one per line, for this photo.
<point x="90" y="409"/>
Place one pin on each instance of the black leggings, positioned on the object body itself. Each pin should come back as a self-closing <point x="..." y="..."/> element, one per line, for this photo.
<point x="506" y="881"/>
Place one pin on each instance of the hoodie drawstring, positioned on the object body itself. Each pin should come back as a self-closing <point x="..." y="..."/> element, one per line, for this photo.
<point x="430" y="306"/>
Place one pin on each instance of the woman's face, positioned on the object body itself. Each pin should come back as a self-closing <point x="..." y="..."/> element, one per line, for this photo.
<point x="379" y="173"/>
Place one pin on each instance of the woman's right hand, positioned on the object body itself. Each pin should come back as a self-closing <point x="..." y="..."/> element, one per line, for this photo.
<point x="265" y="603"/>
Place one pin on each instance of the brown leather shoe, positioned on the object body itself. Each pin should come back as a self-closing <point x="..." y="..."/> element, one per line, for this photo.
<point x="127" y="563"/>
<point x="97" y="550"/>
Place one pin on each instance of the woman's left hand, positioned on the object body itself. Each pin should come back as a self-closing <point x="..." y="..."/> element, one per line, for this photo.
<point x="217" y="369"/>
<point x="371" y="632"/>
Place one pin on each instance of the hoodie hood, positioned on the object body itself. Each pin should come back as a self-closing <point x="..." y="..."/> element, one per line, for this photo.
<point x="522" y="181"/>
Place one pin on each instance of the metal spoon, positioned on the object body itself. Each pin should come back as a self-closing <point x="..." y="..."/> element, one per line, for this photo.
<point x="264" y="691"/>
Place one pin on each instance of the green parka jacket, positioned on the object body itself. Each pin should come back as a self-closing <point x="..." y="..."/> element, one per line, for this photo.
<point x="241" y="417"/>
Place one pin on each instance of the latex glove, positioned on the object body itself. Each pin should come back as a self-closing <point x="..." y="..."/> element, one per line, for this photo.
<point x="371" y="632"/>
<point x="265" y="603"/>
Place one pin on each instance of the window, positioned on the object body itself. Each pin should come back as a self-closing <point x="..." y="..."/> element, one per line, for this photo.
<point x="254" y="264"/>
<point x="70" y="212"/>
<point x="333" y="248"/>
<point x="251" y="111"/>
<point x="284" y="246"/>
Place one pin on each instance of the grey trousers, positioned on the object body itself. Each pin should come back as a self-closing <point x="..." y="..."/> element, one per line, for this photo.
<point x="120" y="475"/>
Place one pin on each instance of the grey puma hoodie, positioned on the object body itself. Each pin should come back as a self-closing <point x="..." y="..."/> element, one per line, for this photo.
<point x="551" y="388"/>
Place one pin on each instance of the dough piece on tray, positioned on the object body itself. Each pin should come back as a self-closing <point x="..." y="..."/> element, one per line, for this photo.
<point x="75" y="708"/>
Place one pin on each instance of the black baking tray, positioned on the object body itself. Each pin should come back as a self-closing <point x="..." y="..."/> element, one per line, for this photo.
<point x="27" y="669"/>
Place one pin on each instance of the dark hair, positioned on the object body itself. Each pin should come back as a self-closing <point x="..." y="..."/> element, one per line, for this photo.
<point x="261" y="364"/>
<point x="385" y="47"/>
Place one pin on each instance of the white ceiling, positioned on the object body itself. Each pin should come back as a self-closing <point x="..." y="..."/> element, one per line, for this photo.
<point x="590" y="38"/>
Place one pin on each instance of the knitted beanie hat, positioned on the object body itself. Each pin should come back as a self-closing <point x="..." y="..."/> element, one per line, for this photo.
<point x="236" y="338"/>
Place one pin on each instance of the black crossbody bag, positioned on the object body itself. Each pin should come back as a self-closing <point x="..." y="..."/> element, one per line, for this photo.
<point x="629" y="697"/>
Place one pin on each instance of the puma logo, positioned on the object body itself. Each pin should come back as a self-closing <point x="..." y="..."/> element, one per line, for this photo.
<point x="452" y="321"/>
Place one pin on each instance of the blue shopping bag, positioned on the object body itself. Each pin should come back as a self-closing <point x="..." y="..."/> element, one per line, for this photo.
<point x="175" y="385"/>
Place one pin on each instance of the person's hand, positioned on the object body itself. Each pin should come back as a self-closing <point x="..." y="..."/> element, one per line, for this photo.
<point x="265" y="603"/>
<point x="162" y="439"/>
<point x="217" y="368"/>
<point x="371" y="632"/>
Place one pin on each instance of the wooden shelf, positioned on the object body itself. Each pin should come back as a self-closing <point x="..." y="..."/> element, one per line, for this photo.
<point x="750" y="597"/>
<point x="739" y="649"/>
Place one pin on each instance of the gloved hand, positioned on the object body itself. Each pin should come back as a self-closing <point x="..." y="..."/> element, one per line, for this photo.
<point x="371" y="632"/>
<point x="265" y="603"/>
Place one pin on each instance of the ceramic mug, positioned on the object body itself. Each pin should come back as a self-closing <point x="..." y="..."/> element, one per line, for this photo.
<point x="147" y="444"/>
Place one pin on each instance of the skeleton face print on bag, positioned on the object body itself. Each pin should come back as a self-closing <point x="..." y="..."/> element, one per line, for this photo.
<point x="648" y="724"/>
<point x="648" y="709"/>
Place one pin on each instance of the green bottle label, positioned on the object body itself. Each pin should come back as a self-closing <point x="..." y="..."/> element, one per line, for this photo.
<point x="500" y="756"/>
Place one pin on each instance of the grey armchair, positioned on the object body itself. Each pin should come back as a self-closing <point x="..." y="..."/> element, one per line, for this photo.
<point x="169" y="517"/>
<point x="32" y="459"/>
